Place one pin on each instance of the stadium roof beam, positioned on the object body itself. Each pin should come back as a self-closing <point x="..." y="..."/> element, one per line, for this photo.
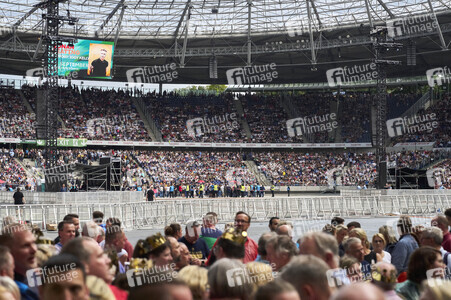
<point x="439" y="31"/>
<point x="108" y="18"/>
<point x="370" y="20"/>
<point x="316" y="14"/>
<point x="176" y="33"/>
<point x="249" y="39"/>
<point x="29" y="13"/>
<point x="185" y="40"/>
<point x="119" y="24"/>
<point x="392" y="16"/>
<point x="312" y="41"/>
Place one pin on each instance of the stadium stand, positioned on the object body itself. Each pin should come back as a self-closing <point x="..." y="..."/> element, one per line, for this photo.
<point x="171" y="113"/>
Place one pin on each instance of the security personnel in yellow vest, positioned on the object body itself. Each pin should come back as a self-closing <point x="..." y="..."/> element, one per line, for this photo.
<point x="201" y="190"/>
<point x="272" y="189"/>
<point x="242" y="189"/>
<point x="215" y="190"/>
<point x="187" y="191"/>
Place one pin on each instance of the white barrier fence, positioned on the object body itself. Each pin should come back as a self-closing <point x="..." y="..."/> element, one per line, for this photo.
<point x="74" y="198"/>
<point x="135" y="215"/>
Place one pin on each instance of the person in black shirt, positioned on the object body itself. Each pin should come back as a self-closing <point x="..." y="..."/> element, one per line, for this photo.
<point x="98" y="67"/>
<point x="150" y="194"/>
<point x="18" y="197"/>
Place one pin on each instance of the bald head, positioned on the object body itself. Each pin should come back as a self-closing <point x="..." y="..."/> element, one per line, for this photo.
<point x="285" y="230"/>
<point x="359" y="291"/>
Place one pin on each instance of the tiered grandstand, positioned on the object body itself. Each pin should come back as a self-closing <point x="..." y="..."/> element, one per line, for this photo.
<point x="298" y="113"/>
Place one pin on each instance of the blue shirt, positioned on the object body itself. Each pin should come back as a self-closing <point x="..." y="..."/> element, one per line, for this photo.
<point x="402" y="251"/>
<point x="198" y="250"/>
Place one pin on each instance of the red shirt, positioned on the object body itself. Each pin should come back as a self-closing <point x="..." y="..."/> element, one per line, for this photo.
<point x="129" y="248"/>
<point x="446" y="244"/>
<point x="250" y="251"/>
<point x="118" y="293"/>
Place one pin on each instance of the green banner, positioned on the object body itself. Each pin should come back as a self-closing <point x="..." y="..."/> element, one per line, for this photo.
<point x="66" y="142"/>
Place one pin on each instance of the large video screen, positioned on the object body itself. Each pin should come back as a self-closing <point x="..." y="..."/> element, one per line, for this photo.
<point x="86" y="59"/>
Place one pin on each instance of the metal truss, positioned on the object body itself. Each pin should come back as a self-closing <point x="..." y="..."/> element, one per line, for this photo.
<point x="380" y="45"/>
<point x="301" y="44"/>
<point x="52" y="21"/>
<point x="213" y="18"/>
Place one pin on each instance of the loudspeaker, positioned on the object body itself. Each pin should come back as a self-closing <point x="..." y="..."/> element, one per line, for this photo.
<point x="213" y="67"/>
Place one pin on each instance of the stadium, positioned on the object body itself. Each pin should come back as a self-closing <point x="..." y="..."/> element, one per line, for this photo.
<point x="158" y="112"/>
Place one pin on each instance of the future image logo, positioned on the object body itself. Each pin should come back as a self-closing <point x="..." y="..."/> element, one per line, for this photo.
<point x="412" y="125"/>
<point x="212" y="124"/>
<point x="153" y="74"/>
<point x="248" y="275"/>
<point x="412" y="25"/>
<point x="438" y="76"/>
<point x="100" y="126"/>
<point x="44" y="72"/>
<point x="39" y="276"/>
<point x="311" y="124"/>
<point x="157" y="274"/>
<point x="334" y="177"/>
<point x="349" y="75"/>
<point x="252" y="75"/>
<point x="59" y="173"/>
<point x="237" y="176"/>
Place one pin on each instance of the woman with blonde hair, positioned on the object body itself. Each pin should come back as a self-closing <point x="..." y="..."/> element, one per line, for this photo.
<point x="370" y="256"/>
<point x="378" y="243"/>
<point x="389" y="236"/>
<point x="197" y="280"/>
<point x="8" y="289"/>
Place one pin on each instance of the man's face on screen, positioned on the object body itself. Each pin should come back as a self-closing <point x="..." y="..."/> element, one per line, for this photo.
<point x="102" y="55"/>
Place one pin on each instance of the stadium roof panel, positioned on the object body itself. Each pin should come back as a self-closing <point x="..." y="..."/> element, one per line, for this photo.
<point x="208" y="18"/>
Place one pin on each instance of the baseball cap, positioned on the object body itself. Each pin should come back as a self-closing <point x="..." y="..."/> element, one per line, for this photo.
<point x="191" y="224"/>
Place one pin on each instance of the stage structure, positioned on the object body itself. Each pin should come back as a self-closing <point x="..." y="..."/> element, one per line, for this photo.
<point x="107" y="176"/>
<point x="381" y="46"/>
<point x="50" y="36"/>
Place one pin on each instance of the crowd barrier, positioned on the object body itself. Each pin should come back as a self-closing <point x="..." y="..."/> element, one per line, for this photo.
<point x="141" y="214"/>
<point x="74" y="198"/>
<point x="375" y="192"/>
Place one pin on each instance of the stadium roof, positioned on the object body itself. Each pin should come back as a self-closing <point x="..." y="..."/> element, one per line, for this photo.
<point x="190" y="33"/>
<point x="164" y="19"/>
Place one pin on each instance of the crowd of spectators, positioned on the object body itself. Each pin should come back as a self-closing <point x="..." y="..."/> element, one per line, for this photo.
<point x="315" y="104"/>
<point x="398" y="103"/>
<point x="415" y="159"/>
<point x="99" y="114"/>
<point x="174" y="170"/>
<point x="349" y="169"/>
<point x="441" y="135"/>
<point x="12" y="173"/>
<point x="132" y="176"/>
<point x="315" y="169"/>
<point x="15" y="120"/>
<point x="266" y="118"/>
<point x="110" y="115"/>
<point x="442" y="174"/>
<point x="355" y="117"/>
<point x="200" y="260"/>
<point x="220" y="121"/>
<point x="192" y="167"/>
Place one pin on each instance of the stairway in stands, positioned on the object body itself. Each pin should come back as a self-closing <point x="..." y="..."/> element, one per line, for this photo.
<point x="242" y="119"/>
<point x="146" y="117"/>
<point x="252" y="166"/>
